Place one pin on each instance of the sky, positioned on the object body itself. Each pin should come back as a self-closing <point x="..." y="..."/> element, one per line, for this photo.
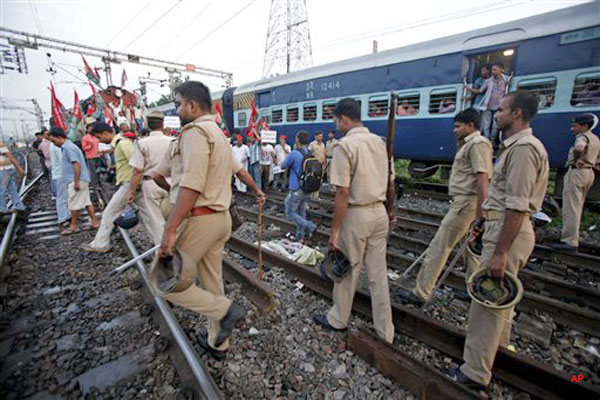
<point x="223" y="35"/>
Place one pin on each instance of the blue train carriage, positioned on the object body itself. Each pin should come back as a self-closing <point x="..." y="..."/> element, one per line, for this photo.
<point x="556" y="55"/>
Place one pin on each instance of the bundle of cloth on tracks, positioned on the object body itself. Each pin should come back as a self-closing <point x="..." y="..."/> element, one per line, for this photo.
<point x="295" y="251"/>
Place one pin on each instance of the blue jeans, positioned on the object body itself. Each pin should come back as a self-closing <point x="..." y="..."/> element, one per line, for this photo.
<point x="62" y="200"/>
<point x="256" y="172"/>
<point x="7" y="183"/>
<point x="296" y="204"/>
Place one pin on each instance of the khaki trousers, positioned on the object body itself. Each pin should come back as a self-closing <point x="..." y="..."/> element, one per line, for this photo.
<point x="363" y="239"/>
<point x="576" y="184"/>
<point x="203" y="239"/>
<point x="113" y="209"/>
<point x="454" y="227"/>
<point x="488" y="328"/>
<point x="153" y="196"/>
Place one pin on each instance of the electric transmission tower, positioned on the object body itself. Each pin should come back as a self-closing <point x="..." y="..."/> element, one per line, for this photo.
<point x="288" y="45"/>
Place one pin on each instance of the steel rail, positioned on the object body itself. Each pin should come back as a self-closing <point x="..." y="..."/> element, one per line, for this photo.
<point x="195" y="373"/>
<point x="538" y="379"/>
<point x="585" y="320"/>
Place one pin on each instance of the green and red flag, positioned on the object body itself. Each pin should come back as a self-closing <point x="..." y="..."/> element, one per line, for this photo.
<point x="57" y="110"/>
<point x="75" y="130"/>
<point x="92" y="74"/>
<point x="219" y="119"/>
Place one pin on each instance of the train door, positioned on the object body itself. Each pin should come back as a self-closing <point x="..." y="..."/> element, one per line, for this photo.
<point x="476" y="61"/>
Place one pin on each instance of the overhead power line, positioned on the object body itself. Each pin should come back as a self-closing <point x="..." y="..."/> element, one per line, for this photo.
<point x="192" y="21"/>
<point x="152" y="25"/>
<point x="216" y="29"/>
<point x="135" y="16"/>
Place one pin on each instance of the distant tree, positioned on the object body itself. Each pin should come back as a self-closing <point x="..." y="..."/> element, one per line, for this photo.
<point x="164" y="99"/>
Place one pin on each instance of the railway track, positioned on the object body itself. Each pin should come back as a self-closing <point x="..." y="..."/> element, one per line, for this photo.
<point x="583" y="317"/>
<point x="526" y="374"/>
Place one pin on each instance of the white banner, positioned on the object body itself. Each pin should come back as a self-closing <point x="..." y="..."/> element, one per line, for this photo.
<point x="172" y="122"/>
<point x="268" y="136"/>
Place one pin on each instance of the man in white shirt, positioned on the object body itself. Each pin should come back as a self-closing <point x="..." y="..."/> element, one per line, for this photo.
<point x="267" y="154"/>
<point x="281" y="152"/>
<point x="241" y="153"/>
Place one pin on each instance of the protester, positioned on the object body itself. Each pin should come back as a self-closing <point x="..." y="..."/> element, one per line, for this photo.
<point x="9" y="167"/>
<point x="296" y="201"/>
<point x="61" y="186"/>
<point x="45" y="149"/>
<point x="282" y="150"/>
<point x="317" y="148"/>
<point x="122" y="149"/>
<point x="241" y="153"/>
<point x="255" y="167"/>
<point x="76" y="174"/>
<point x="89" y="144"/>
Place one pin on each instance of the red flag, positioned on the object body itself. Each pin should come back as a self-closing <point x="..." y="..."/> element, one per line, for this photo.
<point x="123" y="78"/>
<point x="57" y="108"/>
<point x="90" y="73"/>
<point x="77" y="108"/>
<point x="252" y="121"/>
<point x="108" y="114"/>
<point x="219" y="119"/>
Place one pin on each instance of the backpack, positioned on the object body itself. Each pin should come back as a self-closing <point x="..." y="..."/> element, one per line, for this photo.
<point x="312" y="173"/>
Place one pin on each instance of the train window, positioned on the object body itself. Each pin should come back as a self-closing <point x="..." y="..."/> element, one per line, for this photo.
<point x="292" y="114"/>
<point x="378" y="106"/>
<point x="276" y="116"/>
<point x="310" y="112"/>
<point x="408" y="104"/>
<point x="586" y="90"/>
<point x="442" y="101"/>
<point x="328" y="107"/>
<point x="242" y="118"/>
<point x="264" y="114"/>
<point x="543" y="88"/>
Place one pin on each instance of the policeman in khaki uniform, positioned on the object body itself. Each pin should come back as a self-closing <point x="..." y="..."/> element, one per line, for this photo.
<point x="317" y="148"/>
<point x="360" y="171"/>
<point x="516" y="191"/>
<point x="578" y="180"/>
<point x="147" y="155"/>
<point x="468" y="186"/>
<point x="201" y="164"/>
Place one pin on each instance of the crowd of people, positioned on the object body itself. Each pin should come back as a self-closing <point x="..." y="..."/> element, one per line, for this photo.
<point x="182" y="188"/>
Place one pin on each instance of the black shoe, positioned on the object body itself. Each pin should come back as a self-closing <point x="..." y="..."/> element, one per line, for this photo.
<point x="218" y="355"/>
<point x="457" y="375"/>
<point x="321" y="319"/>
<point x="228" y="322"/>
<point x="564" y="247"/>
<point x="310" y="234"/>
<point x="410" y="297"/>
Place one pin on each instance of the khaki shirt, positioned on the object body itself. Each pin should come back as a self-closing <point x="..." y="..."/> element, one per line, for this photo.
<point x="520" y="175"/>
<point x="318" y="150"/>
<point x="149" y="152"/>
<point x="329" y="147"/>
<point x="201" y="159"/>
<point x="474" y="155"/>
<point x="360" y="162"/>
<point x="592" y="148"/>
<point x="122" y="152"/>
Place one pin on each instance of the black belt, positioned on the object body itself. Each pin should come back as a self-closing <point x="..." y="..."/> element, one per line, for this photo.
<point x="574" y="167"/>
<point x="147" y="178"/>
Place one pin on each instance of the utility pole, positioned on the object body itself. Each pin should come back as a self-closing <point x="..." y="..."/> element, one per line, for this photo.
<point x="38" y="112"/>
<point x="288" y="47"/>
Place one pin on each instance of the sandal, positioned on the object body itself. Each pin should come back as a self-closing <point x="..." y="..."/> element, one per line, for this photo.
<point x="69" y="231"/>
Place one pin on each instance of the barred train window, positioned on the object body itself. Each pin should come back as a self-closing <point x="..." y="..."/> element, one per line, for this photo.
<point x="264" y="114"/>
<point x="328" y="107"/>
<point x="292" y="114"/>
<point x="242" y="118"/>
<point x="378" y="106"/>
<point x="543" y="88"/>
<point x="442" y="101"/>
<point x="310" y="112"/>
<point x="408" y="104"/>
<point x="276" y="115"/>
<point x="586" y="90"/>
